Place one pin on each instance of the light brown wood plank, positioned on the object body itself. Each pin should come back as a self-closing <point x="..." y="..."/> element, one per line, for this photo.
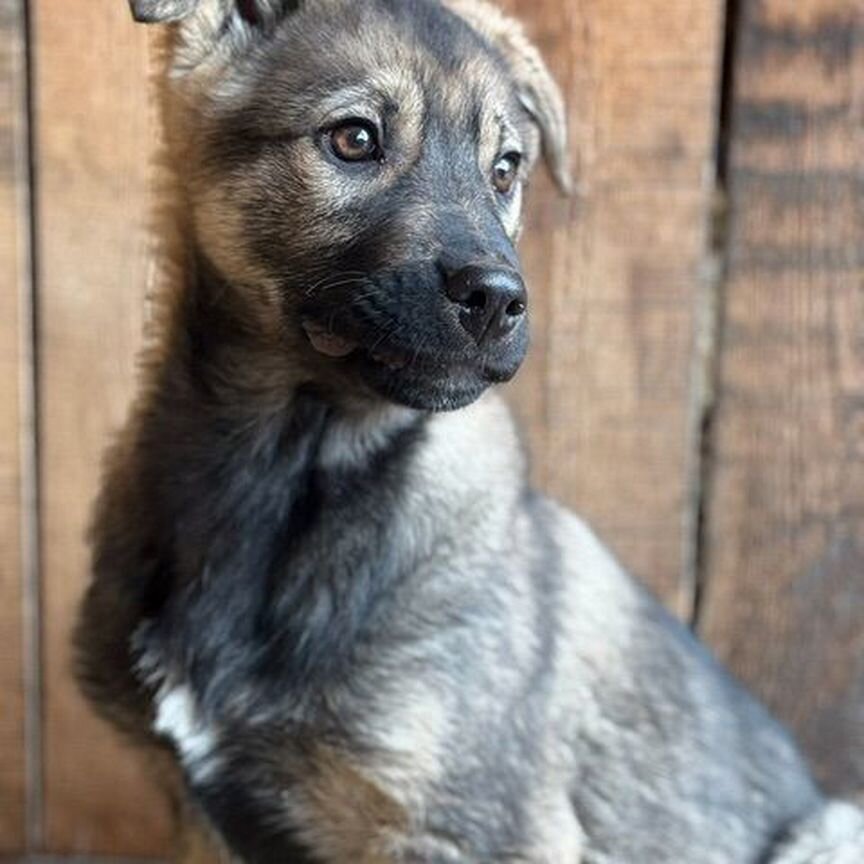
<point x="615" y="273"/>
<point x="95" y="131"/>
<point x="785" y="554"/>
<point x="14" y="426"/>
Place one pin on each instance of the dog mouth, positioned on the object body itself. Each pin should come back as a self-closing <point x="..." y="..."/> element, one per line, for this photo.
<point x="336" y="346"/>
<point x="413" y="376"/>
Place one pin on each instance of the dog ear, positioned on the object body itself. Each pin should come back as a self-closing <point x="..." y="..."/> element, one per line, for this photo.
<point x="538" y="91"/>
<point x="158" y="11"/>
<point x="202" y="25"/>
<point x="164" y="11"/>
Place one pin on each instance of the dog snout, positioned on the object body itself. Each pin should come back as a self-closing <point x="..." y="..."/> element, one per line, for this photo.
<point x="491" y="300"/>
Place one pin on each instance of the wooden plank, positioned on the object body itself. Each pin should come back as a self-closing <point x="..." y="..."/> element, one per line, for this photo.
<point x="14" y="372"/>
<point x="95" y="133"/>
<point x="785" y="545"/>
<point x="615" y="273"/>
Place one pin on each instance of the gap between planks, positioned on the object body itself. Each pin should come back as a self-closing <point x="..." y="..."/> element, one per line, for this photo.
<point x="31" y="571"/>
<point x="709" y="318"/>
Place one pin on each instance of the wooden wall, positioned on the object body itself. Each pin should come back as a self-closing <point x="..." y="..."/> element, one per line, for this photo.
<point x="15" y="426"/>
<point x="608" y="396"/>
<point x="697" y="393"/>
<point x="784" y="558"/>
<point x="95" y="134"/>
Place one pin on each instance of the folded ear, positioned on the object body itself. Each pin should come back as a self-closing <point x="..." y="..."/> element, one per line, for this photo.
<point x="157" y="11"/>
<point x="203" y="25"/>
<point x="538" y="91"/>
<point x="250" y="11"/>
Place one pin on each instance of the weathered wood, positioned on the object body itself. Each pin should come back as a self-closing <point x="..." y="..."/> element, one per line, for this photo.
<point x="95" y="133"/>
<point x="14" y="429"/>
<point x="614" y="273"/>
<point x="785" y="547"/>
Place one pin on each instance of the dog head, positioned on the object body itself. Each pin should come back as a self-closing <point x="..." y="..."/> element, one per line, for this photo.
<point x="354" y="170"/>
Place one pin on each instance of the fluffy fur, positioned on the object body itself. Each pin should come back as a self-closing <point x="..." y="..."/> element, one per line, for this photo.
<point x="337" y="609"/>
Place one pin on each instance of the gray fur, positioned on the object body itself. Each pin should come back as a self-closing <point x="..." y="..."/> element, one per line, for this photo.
<point x="340" y="609"/>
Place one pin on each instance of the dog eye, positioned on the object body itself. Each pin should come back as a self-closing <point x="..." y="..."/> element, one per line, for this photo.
<point x="504" y="172"/>
<point x="355" y="141"/>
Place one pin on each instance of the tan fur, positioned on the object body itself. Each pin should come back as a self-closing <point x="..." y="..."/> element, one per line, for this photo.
<point x="347" y="816"/>
<point x="540" y="93"/>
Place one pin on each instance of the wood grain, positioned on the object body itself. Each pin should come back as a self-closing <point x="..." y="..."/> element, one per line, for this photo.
<point x="95" y="132"/>
<point x="14" y="369"/>
<point x="614" y="272"/>
<point x="785" y="554"/>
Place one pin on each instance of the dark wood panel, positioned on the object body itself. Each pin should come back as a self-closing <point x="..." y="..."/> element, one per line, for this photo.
<point x="615" y="273"/>
<point x="95" y="136"/>
<point x="785" y="556"/>
<point x="14" y="426"/>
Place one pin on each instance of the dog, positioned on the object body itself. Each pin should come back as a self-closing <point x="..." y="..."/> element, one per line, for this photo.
<point x="323" y="591"/>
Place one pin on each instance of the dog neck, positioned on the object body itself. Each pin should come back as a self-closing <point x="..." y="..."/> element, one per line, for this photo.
<point x="254" y="478"/>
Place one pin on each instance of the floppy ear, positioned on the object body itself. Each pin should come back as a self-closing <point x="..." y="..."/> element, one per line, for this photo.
<point x="538" y="91"/>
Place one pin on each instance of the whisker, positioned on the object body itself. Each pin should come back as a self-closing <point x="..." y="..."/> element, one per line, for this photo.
<point x="341" y="283"/>
<point x="421" y="345"/>
<point x="386" y="334"/>
<point x="367" y="296"/>
<point x="334" y="280"/>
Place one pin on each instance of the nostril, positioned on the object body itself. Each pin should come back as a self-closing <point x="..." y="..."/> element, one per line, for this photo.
<point x="491" y="300"/>
<point x="476" y="300"/>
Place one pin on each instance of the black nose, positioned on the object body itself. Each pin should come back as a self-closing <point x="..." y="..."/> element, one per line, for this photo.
<point x="491" y="300"/>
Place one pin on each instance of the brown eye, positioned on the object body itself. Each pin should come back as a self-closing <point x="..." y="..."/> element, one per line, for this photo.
<point x="355" y="141"/>
<point x="504" y="172"/>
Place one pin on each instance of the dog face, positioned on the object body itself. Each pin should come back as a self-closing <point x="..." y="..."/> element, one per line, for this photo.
<point x="355" y="170"/>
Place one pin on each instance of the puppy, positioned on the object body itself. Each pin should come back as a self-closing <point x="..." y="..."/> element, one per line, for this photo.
<point x="321" y="583"/>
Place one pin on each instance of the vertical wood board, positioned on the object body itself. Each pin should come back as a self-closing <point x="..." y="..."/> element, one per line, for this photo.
<point x="14" y="427"/>
<point x="95" y="134"/>
<point x="614" y="273"/>
<point x="785" y="555"/>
